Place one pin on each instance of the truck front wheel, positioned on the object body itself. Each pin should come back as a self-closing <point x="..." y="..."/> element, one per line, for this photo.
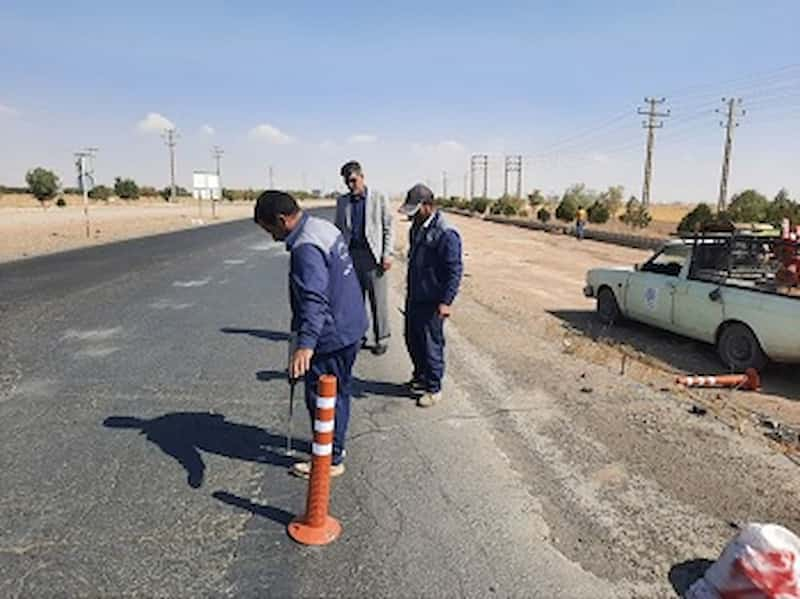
<point x="739" y="349"/>
<point x="607" y="307"/>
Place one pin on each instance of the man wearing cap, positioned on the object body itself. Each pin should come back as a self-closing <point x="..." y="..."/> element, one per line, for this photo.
<point x="365" y="220"/>
<point x="328" y="316"/>
<point x="434" y="275"/>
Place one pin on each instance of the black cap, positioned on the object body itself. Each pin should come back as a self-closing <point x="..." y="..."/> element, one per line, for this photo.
<point x="416" y="196"/>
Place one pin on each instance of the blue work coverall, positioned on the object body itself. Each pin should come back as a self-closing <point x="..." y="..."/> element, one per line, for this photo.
<point x="328" y="313"/>
<point x="434" y="274"/>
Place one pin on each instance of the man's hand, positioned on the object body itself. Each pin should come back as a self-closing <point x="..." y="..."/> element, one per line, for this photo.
<point x="300" y="363"/>
<point x="444" y="311"/>
<point x="386" y="264"/>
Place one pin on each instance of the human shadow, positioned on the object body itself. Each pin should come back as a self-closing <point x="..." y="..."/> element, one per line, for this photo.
<point x="265" y="511"/>
<point x="682" y="576"/>
<point x="678" y="352"/>
<point x="183" y="435"/>
<point x="363" y="388"/>
<point x="258" y="333"/>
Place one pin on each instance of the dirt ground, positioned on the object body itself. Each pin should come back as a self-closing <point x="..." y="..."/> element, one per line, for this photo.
<point x="535" y="281"/>
<point x="639" y="482"/>
<point x="27" y="230"/>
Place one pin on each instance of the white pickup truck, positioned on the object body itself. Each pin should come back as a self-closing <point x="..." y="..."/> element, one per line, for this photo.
<point x="698" y="290"/>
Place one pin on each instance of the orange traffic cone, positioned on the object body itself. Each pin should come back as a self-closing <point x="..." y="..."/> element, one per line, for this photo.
<point x="316" y="527"/>
<point x="749" y="381"/>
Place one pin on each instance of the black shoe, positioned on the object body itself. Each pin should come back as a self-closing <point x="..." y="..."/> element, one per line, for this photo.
<point x="379" y="349"/>
<point x="364" y="343"/>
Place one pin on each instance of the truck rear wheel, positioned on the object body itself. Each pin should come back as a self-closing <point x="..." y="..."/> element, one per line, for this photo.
<point x="739" y="349"/>
<point x="607" y="307"/>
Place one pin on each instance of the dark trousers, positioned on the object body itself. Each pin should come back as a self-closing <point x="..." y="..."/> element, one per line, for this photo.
<point x="373" y="281"/>
<point x="340" y="365"/>
<point x="425" y="342"/>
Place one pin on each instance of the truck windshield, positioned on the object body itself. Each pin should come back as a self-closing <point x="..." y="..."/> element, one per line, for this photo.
<point x="668" y="262"/>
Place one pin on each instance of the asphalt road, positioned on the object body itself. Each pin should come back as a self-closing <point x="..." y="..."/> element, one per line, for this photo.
<point x="142" y="408"/>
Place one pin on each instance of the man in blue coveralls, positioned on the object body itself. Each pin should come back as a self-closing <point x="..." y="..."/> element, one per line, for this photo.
<point x="328" y="316"/>
<point x="434" y="275"/>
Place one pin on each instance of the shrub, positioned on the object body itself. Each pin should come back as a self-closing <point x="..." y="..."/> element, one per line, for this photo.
<point x="543" y="215"/>
<point x="42" y="183"/>
<point x="479" y="205"/>
<point x="783" y="207"/>
<point x="748" y="206"/>
<point x="507" y="206"/>
<point x="567" y="210"/>
<point x="101" y="192"/>
<point x="599" y="213"/>
<point x="636" y="215"/>
<point x="61" y="202"/>
<point x="126" y="189"/>
<point x="147" y="191"/>
<point x="696" y="219"/>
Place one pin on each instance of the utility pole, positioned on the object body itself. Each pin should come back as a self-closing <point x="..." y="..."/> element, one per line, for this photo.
<point x="513" y="164"/>
<point x="444" y="185"/>
<point x="733" y="111"/>
<point x="86" y="172"/>
<point x="466" y="188"/>
<point x="271" y="179"/>
<point x="170" y="138"/>
<point x="479" y="162"/>
<point x="217" y="153"/>
<point x="651" y="124"/>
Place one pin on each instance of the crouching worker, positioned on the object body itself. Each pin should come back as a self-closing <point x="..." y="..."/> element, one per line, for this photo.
<point x="434" y="275"/>
<point x="328" y="316"/>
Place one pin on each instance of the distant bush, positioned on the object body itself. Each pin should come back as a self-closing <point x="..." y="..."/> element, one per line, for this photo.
<point x="479" y="205"/>
<point x="599" y="213"/>
<point x="567" y="210"/>
<point x="148" y="191"/>
<point x="101" y="192"/>
<point x="696" y="219"/>
<point x="126" y="189"/>
<point x="507" y="206"/>
<point x="748" y="206"/>
<point x="543" y="215"/>
<point x="783" y="207"/>
<point x="61" y="202"/>
<point x="42" y="183"/>
<point x="636" y="215"/>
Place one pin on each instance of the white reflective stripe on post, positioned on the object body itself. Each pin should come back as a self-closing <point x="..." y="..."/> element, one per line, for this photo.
<point x="712" y="380"/>
<point x="322" y="450"/>
<point x="323" y="426"/>
<point x="326" y="403"/>
<point x="689" y="381"/>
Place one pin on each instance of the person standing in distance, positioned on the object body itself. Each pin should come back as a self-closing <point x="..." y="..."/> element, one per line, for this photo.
<point x="365" y="220"/>
<point x="328" y="316"/>
<point x="435" y="268"/>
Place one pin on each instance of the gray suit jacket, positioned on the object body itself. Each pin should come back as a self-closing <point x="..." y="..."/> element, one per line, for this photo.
<point x="378" y="225"/>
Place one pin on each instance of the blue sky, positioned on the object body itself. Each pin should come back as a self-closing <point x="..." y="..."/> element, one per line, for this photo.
<point x="410" y="89"/>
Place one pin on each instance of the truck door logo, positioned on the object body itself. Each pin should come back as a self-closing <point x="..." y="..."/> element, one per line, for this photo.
<point x="651" y="298"/>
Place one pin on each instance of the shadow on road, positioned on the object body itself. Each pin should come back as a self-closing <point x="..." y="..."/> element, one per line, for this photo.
<point x="265" y="511"/>
<point x="272" y="375"/>
<point x="684" y="575"/>
<point x="363" y="388"/>
<point x="258" y="333"/>
<point x="676" y="352"/>
<point x="183" y="435"/>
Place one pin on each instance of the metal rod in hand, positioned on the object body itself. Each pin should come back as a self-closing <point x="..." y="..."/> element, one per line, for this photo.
<point x="292" y="384"/>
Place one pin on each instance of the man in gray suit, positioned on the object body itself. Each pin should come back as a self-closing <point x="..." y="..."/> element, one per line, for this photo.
<point x="365" y="220"/>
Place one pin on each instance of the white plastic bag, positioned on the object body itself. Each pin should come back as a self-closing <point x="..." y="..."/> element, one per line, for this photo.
<point x="761" y="562"/>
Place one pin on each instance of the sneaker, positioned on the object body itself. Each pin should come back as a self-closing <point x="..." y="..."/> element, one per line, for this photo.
<point x="303" y="469"/>
<point x="379" y="349"/>
<point x="429" y="399"/>
<point x="415" y="386"/>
